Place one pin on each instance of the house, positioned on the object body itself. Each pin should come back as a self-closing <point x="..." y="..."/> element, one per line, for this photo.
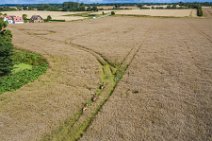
<point x="36" y="19"/>
<point x="14" y="19"/>
<point x="18" y="20"/>
<point x="9" y="19"/>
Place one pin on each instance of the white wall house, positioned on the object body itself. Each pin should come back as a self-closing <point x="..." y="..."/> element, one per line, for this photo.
<point x="6" y="19"/>
<point x="14" y="19"/>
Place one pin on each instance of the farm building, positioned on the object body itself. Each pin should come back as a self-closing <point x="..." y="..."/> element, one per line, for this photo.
<point x="18" y="20"/>
<point x="8" y="19"/>
<point x="36" y="19"/>
<point x="14" y="19"/>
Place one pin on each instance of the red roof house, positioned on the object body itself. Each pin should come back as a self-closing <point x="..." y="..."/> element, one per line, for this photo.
<point x="14" y="19"/>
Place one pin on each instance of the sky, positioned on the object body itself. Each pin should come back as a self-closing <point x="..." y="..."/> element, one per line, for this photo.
<point x="92" y="1"/>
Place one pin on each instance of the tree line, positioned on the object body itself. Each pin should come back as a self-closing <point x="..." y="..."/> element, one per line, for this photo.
<point x="75" y="6"/>
<point x="6" y="49"/>
<point x="66" y="6"/>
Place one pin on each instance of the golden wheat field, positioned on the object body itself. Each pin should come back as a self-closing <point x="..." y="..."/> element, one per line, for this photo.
<point x="114" y="79"/>
<point x="159" y="12"/>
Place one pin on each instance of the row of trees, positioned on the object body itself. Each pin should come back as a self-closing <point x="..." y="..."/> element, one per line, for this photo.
<point x="46" y="7"/>
<point x="6" y="49"/>
<point x="7" y="9"/>
<point x="66" y="6"/>
<point x="74" y="6"/>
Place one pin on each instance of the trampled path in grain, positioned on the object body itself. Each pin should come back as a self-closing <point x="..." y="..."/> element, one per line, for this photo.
<point x="60" y="80"/>
<point x="168" y="67"/>
<point x="74" y="128"/>
<point x="166" y="92"/>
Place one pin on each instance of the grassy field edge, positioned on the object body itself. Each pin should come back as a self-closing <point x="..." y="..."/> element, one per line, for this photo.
<point x="74" y="127"/>
<point x="16" y="80"/>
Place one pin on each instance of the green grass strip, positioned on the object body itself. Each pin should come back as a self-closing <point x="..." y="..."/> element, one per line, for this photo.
<point x="21" y="67"/>
<point x="74" y="127"/>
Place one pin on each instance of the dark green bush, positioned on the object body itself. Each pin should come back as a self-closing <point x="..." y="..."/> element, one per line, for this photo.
<point x="113" y="13"/>
<point x="24" y="16"/>
<point x="199" y="11"/>
<point x="48" y="18"/>
<point x="57" y="20"/>
<point x="14" y="81"/>
<point x="6" y="49"/>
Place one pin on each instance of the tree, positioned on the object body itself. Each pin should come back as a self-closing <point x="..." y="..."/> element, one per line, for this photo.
<point x="199" y="11"/>
<point x="113" y="13"/>
<point x="6" y="49"/>
<point x="3" y="25"/>
<point x="49" y="18"/>
<point x="174" y="6"/>
<point x="73" y="6"/>
<point x="116" y="6"/>
<point x="25" y="8"/>
<point x="30" y="8"/>
<point x="88" y="8"/>
<point x="24" y="16"/>
<point x="94" y="8"/>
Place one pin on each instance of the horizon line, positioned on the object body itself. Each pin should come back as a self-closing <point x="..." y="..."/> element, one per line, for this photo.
<point x="108" y="3"/>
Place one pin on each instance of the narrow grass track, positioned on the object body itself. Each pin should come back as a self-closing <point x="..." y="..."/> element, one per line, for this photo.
<point x="74" y="127"/>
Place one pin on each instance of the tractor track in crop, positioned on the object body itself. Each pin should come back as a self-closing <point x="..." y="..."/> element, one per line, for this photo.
<point x="193" y="27"/>
<point x="73" y="128"/>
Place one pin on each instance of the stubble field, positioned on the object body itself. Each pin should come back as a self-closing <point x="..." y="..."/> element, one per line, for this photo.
<point x="160" y="12"/>
<point x="165" y="92"/>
